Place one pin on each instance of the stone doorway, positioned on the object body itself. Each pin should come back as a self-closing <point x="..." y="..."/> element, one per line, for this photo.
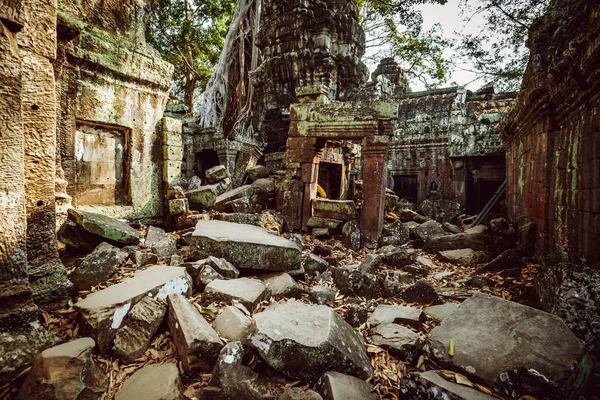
<point x="330" y="179"/>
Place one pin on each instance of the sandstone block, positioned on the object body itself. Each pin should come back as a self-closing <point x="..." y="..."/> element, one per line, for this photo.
<point x="98" y="266"/>
<point x="153" y="382"/>
<point x="344" y="210"/>
<point x="249" y="292"/>
<point x="233" y="324"/>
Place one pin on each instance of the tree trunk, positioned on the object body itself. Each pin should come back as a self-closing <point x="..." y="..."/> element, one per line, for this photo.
<point x="190" y="87"/>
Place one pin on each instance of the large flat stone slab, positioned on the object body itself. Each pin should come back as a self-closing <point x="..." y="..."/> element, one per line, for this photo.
<point x="249" y="292"/>
<point x="102" y="313"/>
<point x="245" y="246"/>
<point x="386" y="314"/>
<point x="153" y="382"/>
<point x="304" y="341"/>
<point x="515" y="349"/>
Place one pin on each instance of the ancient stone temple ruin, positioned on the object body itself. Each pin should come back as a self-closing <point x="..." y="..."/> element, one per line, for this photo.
<point x="304" y="234"/>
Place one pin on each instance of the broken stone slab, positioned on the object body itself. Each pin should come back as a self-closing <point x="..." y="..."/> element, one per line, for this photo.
<point x="335" y="386"/>
<point x="282" y="285"/>
<point x="370" y="264"/>
<point x="501" y="227"/>
<point x="153" y="382"/>
<point x="262" y="220"/>
<point x="98" y="266"/>
<point x="244" y="246"/>
<point x="304" y="341"/>
<point x="451" y="228"/>
<point x="440" y="312"/>
<point x="430" y="386"/>
<point x="83" y="231"/>
<point x="206" y="275"/>
<point x="414" y="269"/>
<point x="351" y="282"/>
<point x="246" y="191"/>
<point x="464" y="257"/>
<point x="476" y="229"/>
<point x="102" y="313"/>
<point x="474" y="241"/>
<point x="153" y="235"/>
<point x="344" y="210"/>
<point x="398" y="340"/>
<point x="429" y="230"/>
<point x="216" y="174"/>
<point x="299" y="394"/>
<point x="315" y="265"/>
<point x="241" y="382"/>
<point x="420" y="292"/>
<point x="322" y="295"/>
<point x="395" y="233"/>
<point x="223" y="267"/>
<point x="265" y="191"/>
<point x="408" y="215"/>
<point x="327" y="223"/>
<point x="509" y="259"/>
<point x="165" y="246"/>
<point x="351" y="236"/>
<point x="396" y="256"/>
<point x="233" y="324"/>
<point x="203" y="198"/>
<point x="444" y="276"/>
<point x="249" y="292"/>
<point x="142" y="258"/>
<point x="141" y="323"/>
<point x="66" y="371"/>
<point x="179" y="206"/>
<point x="198" y="345"/>
<point x="257" y="172"/>
<point x="386" y="314"/>
<point x="356" y="315"/>
<point x="320" y="232"/>
<point x="245" y="205"/>
<point x="514" y="349"/>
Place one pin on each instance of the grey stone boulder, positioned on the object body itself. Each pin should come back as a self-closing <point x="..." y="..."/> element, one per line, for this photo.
<point x="241" y="382"/>
<point x="322" y="295"/>
<point x="66" y="371"/>
<point x="356" y="315"/>
<point x="501" y="227"/>
<point x="396" y="256"/>
<point x="206" y="275"/>
<point x="203" y="198"/>
<point x="282" y="285"/>
<point x="514" y="349"/>
<point x="351" y="282"/>
<point x="295" y="393"/>
<point x="328" y="223"/>
<point x="451" y="228"/>
<point x="440" y="312"/>
<point x="344" y="210"/>
<point x="249" y="292"/>
<point x="165" y="246"/>
<point x="153" y="235"/>
<point x="245" y="246"/>
<point x="216" y="174"/>
<point x="370" y="264"/>
<point x="304" y="341"/>
<point x="233" y="324"/>
<point x="141" y="323"/>
<point x="395" y="233"/>
<point x="198" y="345"/>
<point x="431" y="386"/>
<point x="98" y="266"/>
<point x="143" y="258"/>
<point x="351" y="236"/>
<point x="509" y="259"/>
<point x="398" y="340"/>
<point x="429" y="230"/>
<point x="420" y="292"/>
<point x="335" y="386"/>
<point x="386" y="314"/>
<point x="464" y="257"/>
<point x="315" y="265"/>
<point x="441" y="210"/>
<point x="223" y="267"/>
<point x="102" y="313"/>
<point x="153" y="382"/>
<point x="474" y="241"/>
<point x="246" y="191"/>
<point x="257" y="172"/>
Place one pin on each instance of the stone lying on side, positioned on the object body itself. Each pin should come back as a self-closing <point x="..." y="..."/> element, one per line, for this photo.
<point x="335" y="386"/>
<point x="153" y="382"/>
<point x="98" y="266"/>
<point x="429" y="385"/>
<point x="233" y="324"/>
<point x="249" y="292"/>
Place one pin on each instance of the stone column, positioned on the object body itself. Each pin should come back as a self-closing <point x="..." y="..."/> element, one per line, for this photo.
<point x="227" y="158"/>
<point x="172" y="151"/>
<point x="375" y="152"/>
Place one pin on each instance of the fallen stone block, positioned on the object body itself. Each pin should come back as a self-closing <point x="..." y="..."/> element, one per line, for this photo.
<point x="352" y="282"/>
<point x="299" y="394"/>
<point x="153" y="235"/>
<point x="320" y="232"/>
<point x="203" y="198"/>
<point x="527" y="351"/>
<point x="322" y="295"/>
<point x="223" y="267"/>
<point x="98" y="266"/>
<point x="153" y="382"/>
<point x="257" y="172"/>
<point x="336" y="386"/>
<point x="263" y="220"/>
<point x="102" y="313"/>
<point x="440" y="312"/>
<point x="356" y="315"/>
<point x="474" y="241"/>
<point x="304" y="341"/>
<point x="344" y="210"/>
<point x="421" y="292"/>
<point x="233" y="324"/>
<point x="400" y="341"/>
<point x="431" y="386"/>
<point x="216" y="174"/>
<point x="315" y="265"/>
<point x="328" y="223"/>
<point x="198" y="345"/>
<point x="370" y="264"/>
<point x="66" y="371"/>
<point x="464" y="257"/>
<point x="165" y="247"/>
<point x="246" y="191"/>
<point x="244" y="246"/>
<point x="351" y="236"/>
<point x="206" y="275"/>
<point x="249" y="292"/>
<point x="395" y="256"/>
<point x="408" y="215"/>
<point x="429" y="230"/>
<point x="179" y="206"/>
<point x="141" y="323"/>
<point x="386" y="314"/>
<point x="509" y="259"/>
<point x="395" y="233"/>
<point x="282" y="285"/>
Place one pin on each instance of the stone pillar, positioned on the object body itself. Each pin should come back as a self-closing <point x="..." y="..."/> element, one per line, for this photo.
<point x="172" y="151"/>
<point x="247" y="157"/>
<point x="375" y="151"/>
<point x="227" y="158"/>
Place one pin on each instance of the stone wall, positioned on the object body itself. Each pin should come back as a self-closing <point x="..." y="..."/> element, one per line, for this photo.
<point x="553" y="135"/>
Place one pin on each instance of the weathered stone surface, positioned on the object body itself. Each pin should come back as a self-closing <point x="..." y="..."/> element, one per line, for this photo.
<point x="102" y="228"/>
<point x="153" y="382"/>
<point x="398" y="340"/>
<point x="320" y="232"/>
<point x="141" y="323"/>
<point x="421" y="292"/>
<point x="440" y="312"/>
<point x="304" y="341"/>
<point x="328" y="223"/>
<point x="198" y="345"/>
<point x="370" y="264"/>
<point x="179" y="206"/>
<point x="351" y="282"/>
<point x="103" y="312"/>
<point x="241" y="382"/>
<point x="572" y="292"/>
<point x="395" y="233"/>
<point x="322" y="295"/>
<point x="244" y="246"/>
<point x="299" y="394"/>
<point x="249" y="292"/>
<point x="315" y="265"/>
<point x="257" y="172"/>
<point x="153" y="235"/>
<point x="223" y="267"/>
<point x="263" y="220"/>
<point x="441" y="210"/>
<point x="507" y="260"/>
<point x="398" y="256"/>
<point x="356" y="315"/>
<point x="451" y="228"/>
<point x="527" y="351"/>
<point x="479" y="229"/>
<point x="344" y="210"/>
<point x="466" y="257"/>
<point x="66" y="371"/>
<point x="336" y="386"/>
<point x="282" y="285"/>
<point x="98" y="266"/>
<point x="429" y="230"/>
<point x="142" y="258"/>
<point x="385" y="314"/>
<point x="233" y="324"/>
<point x="205" y="275"/>
<point x="501" y="227"/>
<point x="203" y="198"/>
<point x="430" y="386"/>
<point x="216" y="174"/>
<point x="246" y="191"/>
<point x="408" y="215"/>
<point x="475" y="241"/>
<point x="351" y="235"/>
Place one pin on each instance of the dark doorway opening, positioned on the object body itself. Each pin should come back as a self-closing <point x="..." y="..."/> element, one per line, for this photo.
<point x="205" y="160"/>
<point x="485" y="175"/>
<point x="406" y="187"/>
<point x="330" y="179"/>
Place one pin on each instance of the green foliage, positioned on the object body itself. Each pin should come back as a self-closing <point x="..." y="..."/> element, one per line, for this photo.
<point x="190" y="35"/>
<point x="498" y="51"/>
